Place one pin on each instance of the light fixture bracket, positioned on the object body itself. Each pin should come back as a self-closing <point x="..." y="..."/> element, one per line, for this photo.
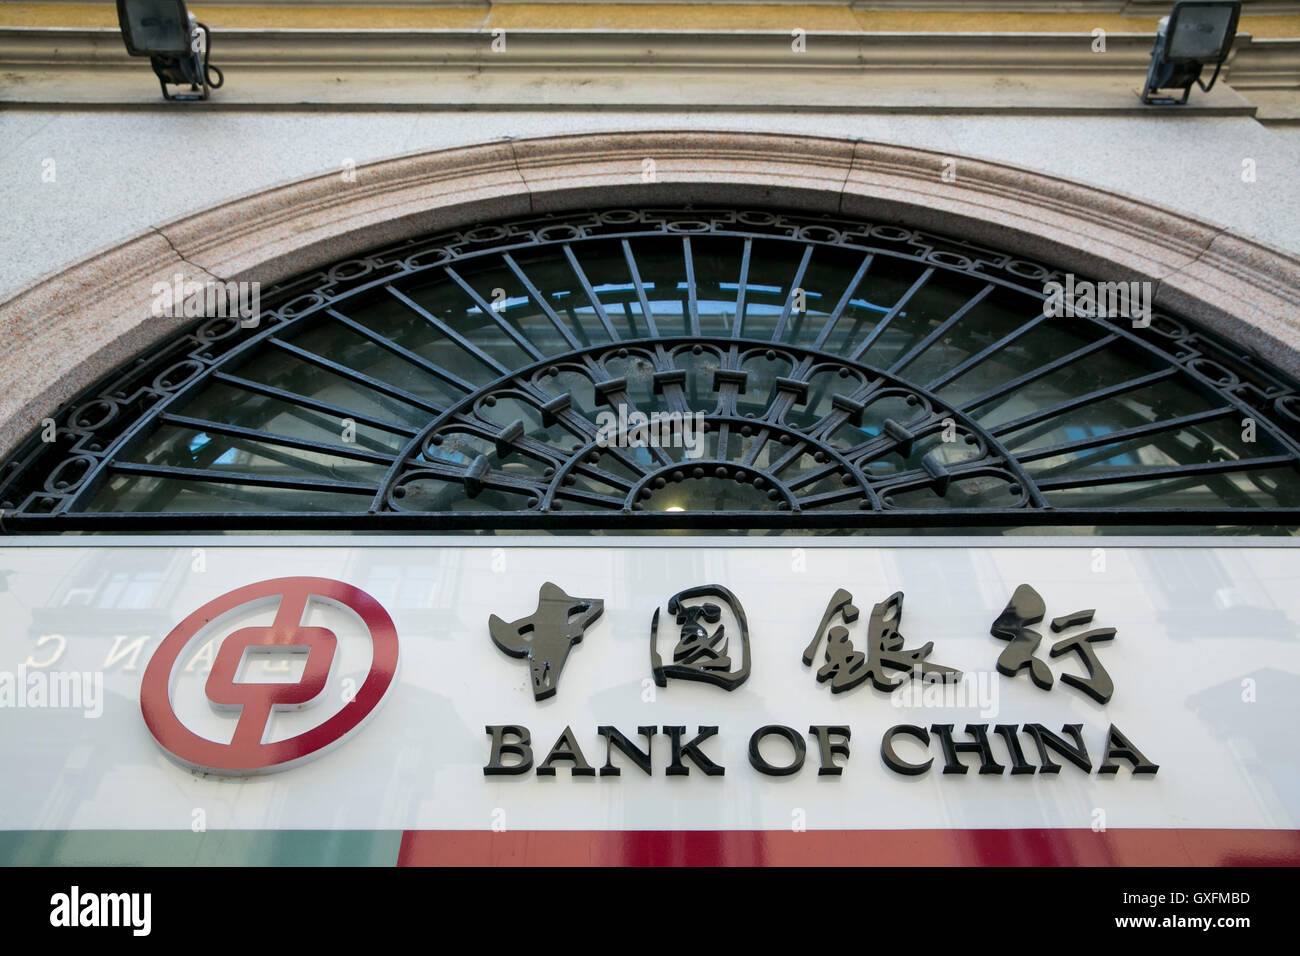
<point x="178" y="46"/>
<point x="1170" y="69"/>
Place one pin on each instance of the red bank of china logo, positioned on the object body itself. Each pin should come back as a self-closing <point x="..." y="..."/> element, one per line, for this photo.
<point x="248" y="752"/>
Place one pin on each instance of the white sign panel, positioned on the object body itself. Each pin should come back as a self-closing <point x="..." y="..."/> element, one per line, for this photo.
<point x="360" y="685"/>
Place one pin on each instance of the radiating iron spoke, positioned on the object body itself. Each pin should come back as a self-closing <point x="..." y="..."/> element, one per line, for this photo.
<point x="447" y="331"/>
<point x="437" y="371"/>
<point x="536" y="295"/>
<point x="917" y="350"/>
<point x="1021" y="380"/>
<point x="796" y="284"/>
<point x="692" y="298"/>
<point x="591" y="294"/>
<point x="241" y="478"/>
<point x="288" y="441"/>
<point x="843" y="304"/>
<point x="984" y="354"/>
<point x="494" y="315"/>
<point x="1123" y="435"/>
<point x="646" y="311"/>
<point x="1101" y="394"/>
<point x="352" y="375"/>
<point x="742" y="284"/>
<point x="879" y="328"/>
<point x="1169" y="471"/>
<point x="304" y="401"/>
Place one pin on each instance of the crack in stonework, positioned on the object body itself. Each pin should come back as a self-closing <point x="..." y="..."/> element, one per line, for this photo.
<point x="1273" y="286"/>
<point x="180" y="255"/>
<point x="514" y="158"/>
<point x="1160" y="282"/>
<point x="848" y="174"/>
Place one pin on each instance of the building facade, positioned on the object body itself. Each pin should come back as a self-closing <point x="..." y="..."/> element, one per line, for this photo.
<point x="740" y="307"/>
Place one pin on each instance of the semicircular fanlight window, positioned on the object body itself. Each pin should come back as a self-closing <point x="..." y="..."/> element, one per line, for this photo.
<point x="588" y="370"/>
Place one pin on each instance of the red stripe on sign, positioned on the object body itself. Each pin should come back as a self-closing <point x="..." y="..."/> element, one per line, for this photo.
<point x="850" y="848"/>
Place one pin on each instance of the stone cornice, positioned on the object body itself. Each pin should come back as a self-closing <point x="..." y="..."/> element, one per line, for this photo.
<point x="399" y="50"/>
<point x="69" y="330"/>
<point x="644" y="70"/>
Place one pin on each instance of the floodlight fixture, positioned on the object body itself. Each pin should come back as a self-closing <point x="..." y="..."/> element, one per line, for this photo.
<point x="1196" y="34"/>
<point x="177" y="45"/>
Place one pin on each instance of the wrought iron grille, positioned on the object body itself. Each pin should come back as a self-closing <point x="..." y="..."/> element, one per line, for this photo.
<point x="846" y="375"/>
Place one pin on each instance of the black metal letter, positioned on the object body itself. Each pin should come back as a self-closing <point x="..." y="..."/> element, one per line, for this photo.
<point x="897" y="763"/>
<point x="979" y="745"/>
<point x="1097" y="684"/>
<point x="827" y="750"/>
<point x="759" y="763"/>
<point x="678" y="769"/>
<point x="545" y="636"/>
<point x="846" y="667"/>
<point x="699" y="655"/>
<point x="1117" y="745"/>
<point x="1019" y="764"/>
<point x="566" y="748"/>
<point x="520" y="748"/>
<point x="1044" y="740"/>
<point x="1025" y="607"/>
<point x="614" y="738"/>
